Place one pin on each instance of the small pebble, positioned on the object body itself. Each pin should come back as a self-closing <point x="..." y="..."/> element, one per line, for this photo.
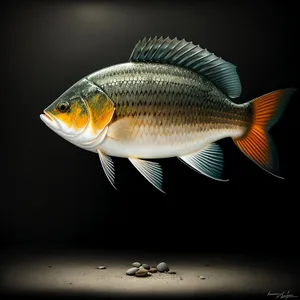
<point x="149" y="274"/>
<point x="142" y="269"/>
<point x="49" y="266"/>
<point x="162" y="267"/>
<point x="141" y="273"/>
<point x="171" y="272"/>
<point x="101" y="268"/>
<point x="181" y="278"/>
<point x="145" y="266"/>
<point x="136" y="264"/>
<point x="201" y="277"/>
<point x="153" y="270"/>
<point x="70" y="282"/>
<point x="132" y="271"/>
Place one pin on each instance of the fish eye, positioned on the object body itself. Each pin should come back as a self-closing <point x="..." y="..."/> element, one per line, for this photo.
<point x="63" y="106"/>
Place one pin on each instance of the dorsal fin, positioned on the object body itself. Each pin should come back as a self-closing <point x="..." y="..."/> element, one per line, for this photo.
<point x="187" y="55"/>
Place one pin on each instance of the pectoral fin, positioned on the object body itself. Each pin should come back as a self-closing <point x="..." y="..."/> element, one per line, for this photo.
<point x="108" y="167"/>
<point x="121" y="129"/>
<point x="208" y="161"/>
<point x="152" y="171"/>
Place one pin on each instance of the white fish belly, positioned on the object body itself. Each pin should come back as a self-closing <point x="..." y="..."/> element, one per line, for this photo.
<point x="164" y="147"/>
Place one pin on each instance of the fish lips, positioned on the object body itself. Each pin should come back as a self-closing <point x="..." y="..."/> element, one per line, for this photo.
<point x="50" y="121"/>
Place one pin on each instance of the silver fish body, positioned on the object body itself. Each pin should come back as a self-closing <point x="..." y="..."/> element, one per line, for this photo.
<point x="170" y="111"/>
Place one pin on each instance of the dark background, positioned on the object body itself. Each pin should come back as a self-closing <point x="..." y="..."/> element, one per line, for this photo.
<point x="57" y="194"/>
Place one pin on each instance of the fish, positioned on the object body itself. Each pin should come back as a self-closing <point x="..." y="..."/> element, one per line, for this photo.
<point x="171" y="99"/>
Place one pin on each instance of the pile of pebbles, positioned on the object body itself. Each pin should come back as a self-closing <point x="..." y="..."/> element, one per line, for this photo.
<point x="144" y="270"/>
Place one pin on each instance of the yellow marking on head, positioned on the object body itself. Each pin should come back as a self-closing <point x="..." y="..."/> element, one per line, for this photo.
<point x="81" y="118"/>
<point x="66" y="118"/>
<point x="76" y="117"/>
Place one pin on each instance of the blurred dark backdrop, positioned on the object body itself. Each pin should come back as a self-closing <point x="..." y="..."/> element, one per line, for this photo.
<point x="55" y="194"/>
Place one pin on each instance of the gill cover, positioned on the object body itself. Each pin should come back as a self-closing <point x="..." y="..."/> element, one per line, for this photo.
<point x="99" y="106"/>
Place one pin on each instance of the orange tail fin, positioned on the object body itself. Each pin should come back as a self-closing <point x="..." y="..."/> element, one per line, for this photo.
<point x="257" y="143"/>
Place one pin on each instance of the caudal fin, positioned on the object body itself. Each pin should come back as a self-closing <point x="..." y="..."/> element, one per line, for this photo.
<point x="256" y="143"/>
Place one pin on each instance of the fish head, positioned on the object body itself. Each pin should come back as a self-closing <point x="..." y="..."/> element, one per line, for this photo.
<point x="80" y="114"/>
<point x="67" y="115"/>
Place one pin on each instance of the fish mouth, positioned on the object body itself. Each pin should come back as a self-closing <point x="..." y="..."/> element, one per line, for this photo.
<point x="50" y="121"/>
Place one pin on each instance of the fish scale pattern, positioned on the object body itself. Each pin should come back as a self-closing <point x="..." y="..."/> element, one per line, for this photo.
<point x="168" y="103"/>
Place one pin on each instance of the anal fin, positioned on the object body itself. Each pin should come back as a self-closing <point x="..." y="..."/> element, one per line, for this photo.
<point x="108" y="167"/>
<point x="208" y="161"/>
<point x="152" y="171"/>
